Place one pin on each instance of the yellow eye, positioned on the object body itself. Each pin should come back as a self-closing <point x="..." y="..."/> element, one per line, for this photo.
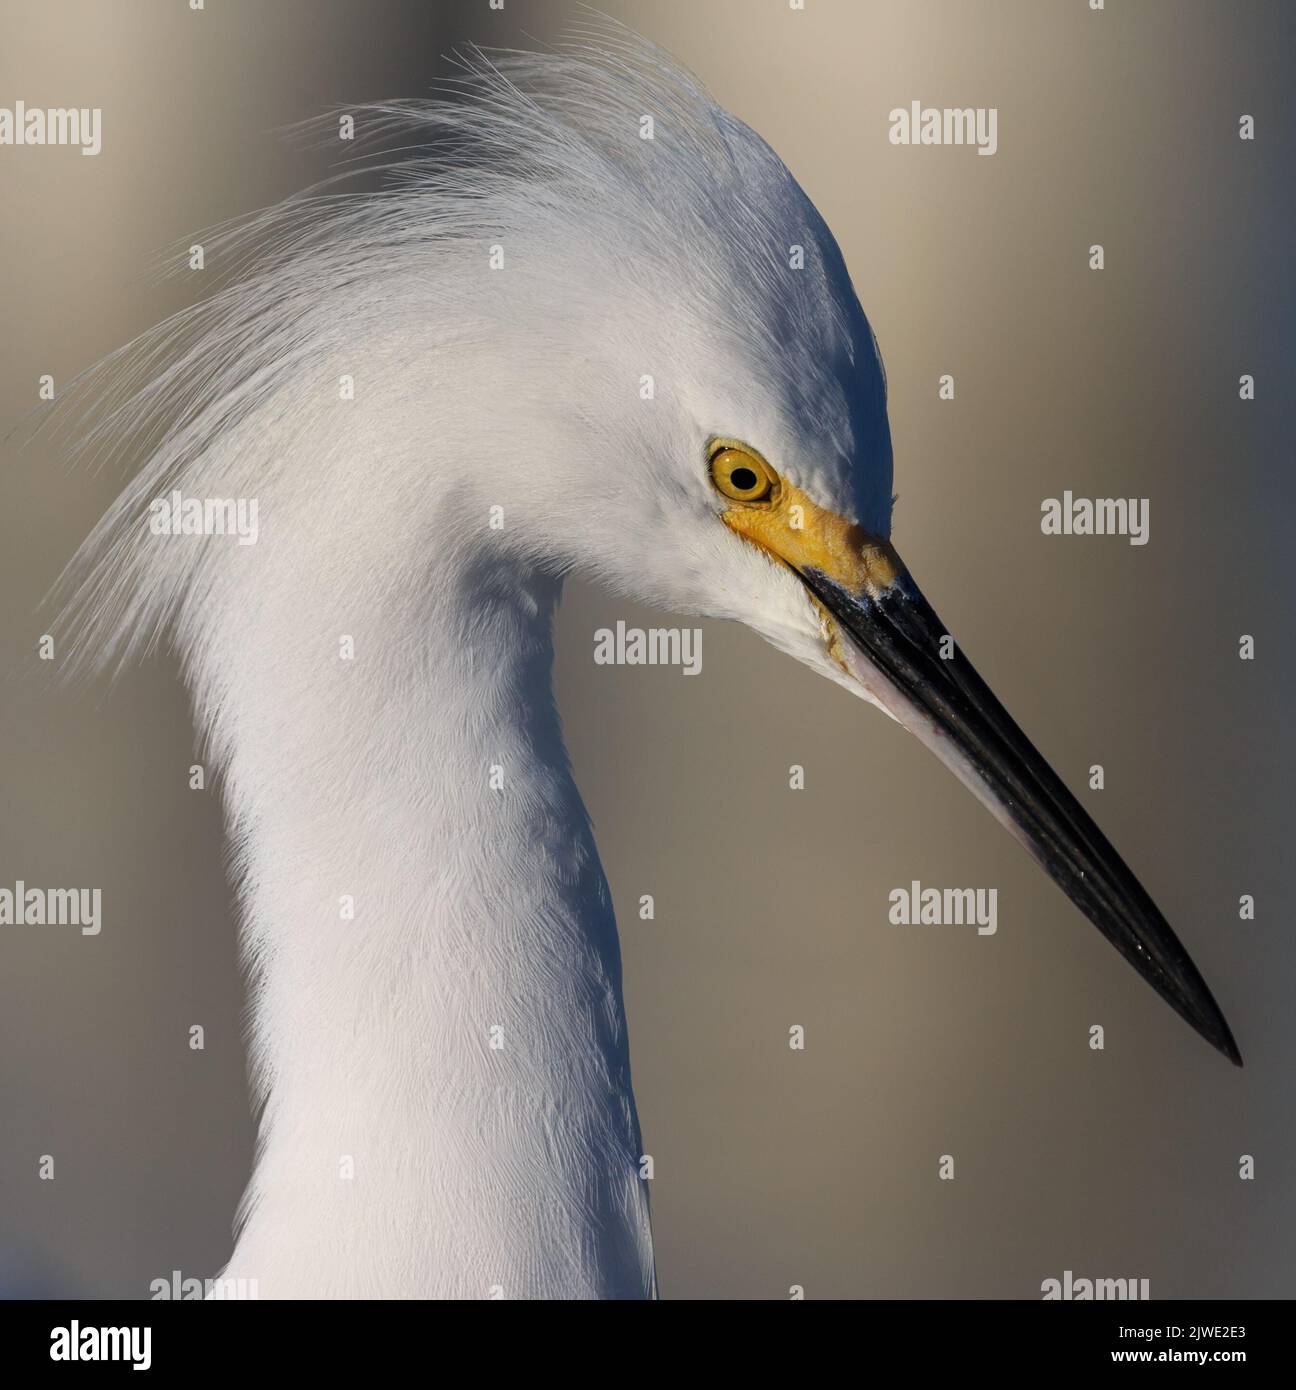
<point x="741" y="475"/>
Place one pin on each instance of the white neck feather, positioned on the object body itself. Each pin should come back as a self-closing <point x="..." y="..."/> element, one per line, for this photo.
<point x="402" y="1153"/>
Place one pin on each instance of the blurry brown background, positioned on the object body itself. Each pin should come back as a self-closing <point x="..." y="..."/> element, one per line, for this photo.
<point x="773" y="1167"/>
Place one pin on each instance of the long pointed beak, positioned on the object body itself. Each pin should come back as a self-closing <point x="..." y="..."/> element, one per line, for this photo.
<point x="912" y="667"/>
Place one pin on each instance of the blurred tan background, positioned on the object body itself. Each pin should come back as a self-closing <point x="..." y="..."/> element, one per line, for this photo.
<point x="773" y="1167"/>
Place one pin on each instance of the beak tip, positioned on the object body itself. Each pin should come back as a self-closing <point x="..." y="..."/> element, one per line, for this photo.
<point x="1194" y="1001"/>
<point x="1208" y="1019"/>
<point x="1229" y="1048"/>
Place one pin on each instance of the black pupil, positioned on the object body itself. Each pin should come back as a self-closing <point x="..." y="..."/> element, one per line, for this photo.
<point x="743" y="479"/>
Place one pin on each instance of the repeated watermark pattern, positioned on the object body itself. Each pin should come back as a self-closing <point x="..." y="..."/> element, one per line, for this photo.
<point x="1069" y="515"/>
<point x="1076" y="1288"/>
<point x="178" y="1286"/>
<point x="947" y="907"/>
<point x="624" y="645"/>
<point x="178" y="515"/>
<point x="31" y="906"/>
<point x="917" y="124"/>
<point x="21" y="124"/>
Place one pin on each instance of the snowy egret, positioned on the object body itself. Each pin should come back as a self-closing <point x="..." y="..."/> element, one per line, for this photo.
<point x="592" y="325"/>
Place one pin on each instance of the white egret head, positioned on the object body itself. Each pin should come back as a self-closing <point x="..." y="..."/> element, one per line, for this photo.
<point x="646" y="283"/>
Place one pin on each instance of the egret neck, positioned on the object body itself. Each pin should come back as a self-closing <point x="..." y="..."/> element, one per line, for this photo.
<point x="438" y="1022"/>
